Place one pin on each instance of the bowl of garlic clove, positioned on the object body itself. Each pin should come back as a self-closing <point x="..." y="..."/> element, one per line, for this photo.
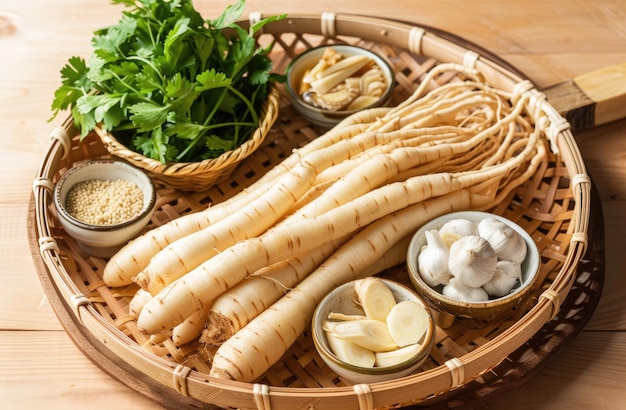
<point x="372" y="330"/>
<point x="327" y="84"/>
<point x="473" y="264"/>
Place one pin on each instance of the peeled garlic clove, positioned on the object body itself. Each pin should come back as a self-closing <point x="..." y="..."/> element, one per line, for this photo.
<point x="432" y="260"/>
<point x="506" y="241"/>
<point x="459" y="226"/>
<point x="507" y="275"/>
<point x="472" y="261"/>
<point x="449" y="238"/>
<point x="457" y="291"/>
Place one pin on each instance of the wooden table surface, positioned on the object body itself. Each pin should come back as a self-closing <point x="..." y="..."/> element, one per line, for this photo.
<point x="548" y="40"/>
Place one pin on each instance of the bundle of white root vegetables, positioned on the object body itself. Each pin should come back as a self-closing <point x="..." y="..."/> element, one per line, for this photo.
<point x="247" y="274"/>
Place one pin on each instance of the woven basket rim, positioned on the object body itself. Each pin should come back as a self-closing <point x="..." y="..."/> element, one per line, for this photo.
<point x="396" y="32"/>
<point x="270" y="105"/>
<point x="200" y="175"/>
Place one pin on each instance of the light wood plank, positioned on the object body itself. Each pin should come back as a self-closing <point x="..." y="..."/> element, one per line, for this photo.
<point x="603" y="149"/>
<point x="23" y="305"/>
<point x="587" y="374"/>
<point x="611" y="311"/>
<point x="607" y="88"/>
<point x="45" y="367"/>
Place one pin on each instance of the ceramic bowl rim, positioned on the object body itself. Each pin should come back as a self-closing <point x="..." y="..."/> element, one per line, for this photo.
<point x="533" y="257"/>
<point x="296" y="99"/>
<point x="324" y="350"/>
<point x="147" y="208"/>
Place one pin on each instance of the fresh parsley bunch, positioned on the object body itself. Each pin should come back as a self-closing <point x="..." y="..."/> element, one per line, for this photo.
<point x="169" y="84"/>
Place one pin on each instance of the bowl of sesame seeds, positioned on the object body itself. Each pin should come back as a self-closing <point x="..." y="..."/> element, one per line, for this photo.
<point x="103" y="204"/>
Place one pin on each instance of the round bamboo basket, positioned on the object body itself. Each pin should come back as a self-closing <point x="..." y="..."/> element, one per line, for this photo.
<point x="553" y="206"/>
<point x="202" y="175"/>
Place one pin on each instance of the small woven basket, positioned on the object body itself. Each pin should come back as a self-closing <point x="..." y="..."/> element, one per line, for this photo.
<point x="202" y="175"/>
<point x="553" y="207"/>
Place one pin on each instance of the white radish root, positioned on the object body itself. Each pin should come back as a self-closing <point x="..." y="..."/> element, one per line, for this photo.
<point x="129" y="261"/>
<point x="187" y="253"/>
<point x="138" y="301"/>
<point x="191" y="328"/>
<point x="235" y="308"/>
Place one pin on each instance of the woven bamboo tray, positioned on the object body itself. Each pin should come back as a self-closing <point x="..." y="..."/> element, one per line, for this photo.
<point x="554" y="207"/>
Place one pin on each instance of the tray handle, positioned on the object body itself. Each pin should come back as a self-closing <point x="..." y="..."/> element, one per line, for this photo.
<point x="591" y="99"/>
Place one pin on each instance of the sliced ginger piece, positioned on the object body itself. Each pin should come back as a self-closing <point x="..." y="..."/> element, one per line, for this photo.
<point x="350" y="352"/>
<point x="369" y="334"/>
<point x="393" y="357"/>
<point x="407" y="322"/>
<point x="375" y="297"/>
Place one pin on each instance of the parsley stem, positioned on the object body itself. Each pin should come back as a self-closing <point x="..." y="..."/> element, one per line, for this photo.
<point x="195" y="141"/>
<point x="124" y="83"/>
<point x="215" y="107"/>
<point x="149" y="64"/>
<point x="255" y="117"/>
<point x="228" y="124"/>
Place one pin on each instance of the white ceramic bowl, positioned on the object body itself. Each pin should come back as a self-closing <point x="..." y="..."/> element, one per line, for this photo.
<point x="104" y="240"/>
<point x="342" y="299"/>
<point x="482" y="310"/>
<point x="326" y="119"/>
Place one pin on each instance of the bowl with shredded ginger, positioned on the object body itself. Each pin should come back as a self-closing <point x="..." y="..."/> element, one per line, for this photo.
<point x="327" y="84"/>
<point x="103" y="204"/>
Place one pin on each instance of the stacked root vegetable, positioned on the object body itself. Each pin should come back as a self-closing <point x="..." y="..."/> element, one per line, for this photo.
<point x="247" y="274"/>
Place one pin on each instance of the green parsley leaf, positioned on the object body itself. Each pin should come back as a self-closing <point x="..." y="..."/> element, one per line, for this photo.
<point x="148" y="116"/>
<point x="168" y="83"/>
<point x="75" y="84"/>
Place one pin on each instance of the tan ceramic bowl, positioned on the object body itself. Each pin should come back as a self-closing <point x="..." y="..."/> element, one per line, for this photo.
<point x="479" y="310"/>
<point x="326" y="119"/>
<point x="342" y="299"/>
<point x="104" y="240"/>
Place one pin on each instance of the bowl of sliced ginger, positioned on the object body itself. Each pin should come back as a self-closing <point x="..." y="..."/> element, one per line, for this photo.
<point x="372" y="330"/>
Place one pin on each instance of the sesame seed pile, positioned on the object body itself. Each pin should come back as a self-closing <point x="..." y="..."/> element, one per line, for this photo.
<point x="104" y="202"/>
